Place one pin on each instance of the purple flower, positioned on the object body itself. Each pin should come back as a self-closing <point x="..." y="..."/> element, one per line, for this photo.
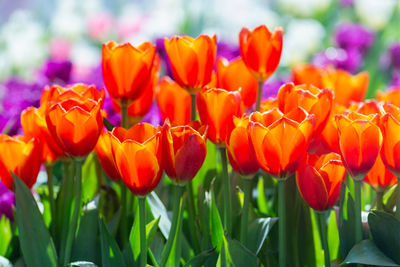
<point x="346" y="2"/>
<point x="16" y="95"/>
<point x="394" y="55"/>
<point x="354" y="36"/>
<point x="7" y="201"/>
<point x="349" y="60"/>
<point x="160" y="46"/>
<point x="228" y="51"/>
<point x="153" y="116"/>
<point x="57" y="71"/>
<point x="271" y="87"/>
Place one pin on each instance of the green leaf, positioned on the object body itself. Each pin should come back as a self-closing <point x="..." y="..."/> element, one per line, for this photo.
<point x="261" y="198"/>
<point x="333" y="236"/>
<point x="217" y="230"/>
<point x="36" y="244"/>
<point x="200" y="259"/>
<point x="366" y="252"/>
<point x="258" y="232"/>
<point x="233" y="253"/>
<point x="82" y="264"/>
<point x="5" y="235"/>
<point x="319" y="252"/>
<point x="90" y="183"/>
<point x="385" y="230"/>
<point x="109" y="126"/>
<point x="110" y="253"/>
<point x="85" y="246"/>
<point x="346" y="225"/>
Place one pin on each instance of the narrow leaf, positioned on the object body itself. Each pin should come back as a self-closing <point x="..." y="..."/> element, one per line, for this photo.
<point x="110" y="252"/>
<point x="258" y="232"/>
<point x="200" y="259"/>
<point x="5" y="235"/>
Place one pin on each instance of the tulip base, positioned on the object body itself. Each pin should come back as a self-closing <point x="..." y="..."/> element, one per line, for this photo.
<point x="259" y="95"/>
<point x="282" y="223"/>
<point x="324" y="237"/>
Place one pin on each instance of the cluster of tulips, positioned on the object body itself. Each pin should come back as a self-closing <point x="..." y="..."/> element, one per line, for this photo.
<point x="316" y="128"/>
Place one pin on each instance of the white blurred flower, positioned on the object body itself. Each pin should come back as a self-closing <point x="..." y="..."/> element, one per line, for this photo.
<point x="24" y="43"/>
<point x="68" y="20"/>
<point x="301" y="39"/>
<point x="375" y="13"/>
<point x="305" y="8"/>
<point x="5" y="67"/>
<point x="229" y="16"/>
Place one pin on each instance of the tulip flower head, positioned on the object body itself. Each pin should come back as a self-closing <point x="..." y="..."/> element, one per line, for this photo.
<point x="261" y="50"/>
<point x="392" y="95"/>
<point x="192" y="60"/>
<point x="184" y="150"/>
<point x="137" y="156"/>
<point x="319" y="180"/>
<point x="127" y="69"/>
<point x="280" y="140"/>
<point x="21" y="156"/>
<point x="312" y="99"/>
<point x="360" y="141"/>
<point x="379" y="177"/>
<point x="390" y="126"/>
<point x="169" y="94"/>
<point x="240" y="154"/>
<point x="104" y="153"/>
<point x="233" y="76"/>
<point x="216" y="109"/>
<point x="307" y="74"/>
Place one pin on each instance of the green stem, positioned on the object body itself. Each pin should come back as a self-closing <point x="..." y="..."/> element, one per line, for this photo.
<point x="282" y="222"/>
<point x="49" y="171"/>
<point x="123" y="219"/>
<point x="124" y="114"/>
<point x="174" y="232"/>
<point x="245" y="213"/>
<point x="193" y="107"/>
<point x="259" y="95"/>
<point x="358" y="226"/>
<point x="379" y="200"/>
<point x="142" y="226"/>
<point x="75" y="214"/>
<point x="227" y="191"/>
<point x="324" y="238"/>
<point x="398" y="199"/>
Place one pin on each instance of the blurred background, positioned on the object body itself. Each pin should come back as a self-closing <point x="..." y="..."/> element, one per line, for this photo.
<point x="44" y="42"/>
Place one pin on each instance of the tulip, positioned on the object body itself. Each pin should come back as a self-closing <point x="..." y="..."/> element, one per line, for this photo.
<point x="392" y="95"/>
<point x="191" y="60"/>
<point x="390" y="153"/>
<point x="360" y="142"/>
<point x="216" y="109"/>
<point x="312" y="99"/>
<point x="261" y="52"/>
<point x="269" y="134"/>
<point x="346" y="87"/>
<point x="184" y="150"/>
<point x="105" y="156"/>
<point x="319" y="181"/>
<point x="75" y="125"/>
<point x="367" y="107"/>
<point x="329" y="137"/>
<point x="168" y="95"/>
<point x="307" y="74"/>
<point x="137" y="156"/>
<point x="268" y="104"/>
<point x="240" y="153"/>
<point x="233" y="76"/>
<point x="127" y="69"/>
<point x="19" y="155"/>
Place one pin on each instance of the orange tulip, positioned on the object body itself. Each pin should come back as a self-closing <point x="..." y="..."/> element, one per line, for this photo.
<point x="104" y="153"/>
<point x="216" y="109"/>
<point x="347" y="87"/>
<point x="390" y="126"/>
<point x="174" y="102"/>
<point x="368" y="107"/>
<point x="184" y="150"/>
<point x="82" y="92"/>
<point x="329" y="137"/>
<point x="233" y="76"/>
<point x="319" y="180"/>
<point x="307" y="74"/>
<point x="240" y="153"/>
<point x="127" y="69"/>
<point x="75" y="125"/>
<point x="139" y="107"/>
<point x="261" y="50"/>
<point x="20" y="156"/>
<point x="360" y="141"/>
<point x="34" y="125"/>
<point x="379" y="177"/>
<point x="137" y="156"/>
<point x="392" y="95"/>
<point x="192" y="60"/>
<point x="268" y="104"/>
<point x="312" y="99"/>
<point x="280" y="141"/>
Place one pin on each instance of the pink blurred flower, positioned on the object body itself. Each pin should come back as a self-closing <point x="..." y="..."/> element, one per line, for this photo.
<point x="59" y="49"/>
<point x="99" y="26"/>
